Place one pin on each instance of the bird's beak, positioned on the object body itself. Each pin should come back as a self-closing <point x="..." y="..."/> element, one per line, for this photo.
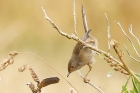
<point x="68" y="74"/>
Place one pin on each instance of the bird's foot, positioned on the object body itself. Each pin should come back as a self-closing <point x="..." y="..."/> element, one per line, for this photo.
<point x="86" y="80"/>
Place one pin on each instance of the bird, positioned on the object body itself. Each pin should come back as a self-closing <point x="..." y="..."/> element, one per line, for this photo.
<point x="83" y="55"/>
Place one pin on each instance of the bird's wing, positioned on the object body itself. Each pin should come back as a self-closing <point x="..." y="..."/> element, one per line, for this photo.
<point x="77" y="48"/>
<point x="87" y="39"/>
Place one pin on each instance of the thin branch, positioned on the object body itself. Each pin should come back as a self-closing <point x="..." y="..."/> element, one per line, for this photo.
<point x="84" y="19"/>
<point x="108" y="33"/>
<point x="131" y="55"/>
<point x="131" y="32"/>
<point x="100" y="52"/>
<point x="128" y="38"/>
<point x="124" y="64"/>
<point x="97" y="88"/>
<point x="74" y="15"/>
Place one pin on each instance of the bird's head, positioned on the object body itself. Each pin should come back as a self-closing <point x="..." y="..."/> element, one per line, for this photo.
<point x="72" y="66"/>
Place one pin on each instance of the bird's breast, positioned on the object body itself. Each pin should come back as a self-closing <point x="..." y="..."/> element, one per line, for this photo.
<point x="86" y="55"/>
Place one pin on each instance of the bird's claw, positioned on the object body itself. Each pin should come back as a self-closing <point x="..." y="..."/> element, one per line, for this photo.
<point x="86" y="80"/>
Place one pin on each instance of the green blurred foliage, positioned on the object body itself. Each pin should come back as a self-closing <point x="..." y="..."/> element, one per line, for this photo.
<point x="23" y="28"/>
<point x="135" y="84"/>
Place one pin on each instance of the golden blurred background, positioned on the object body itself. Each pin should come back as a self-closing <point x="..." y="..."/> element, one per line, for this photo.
<point x="23" y="28"/>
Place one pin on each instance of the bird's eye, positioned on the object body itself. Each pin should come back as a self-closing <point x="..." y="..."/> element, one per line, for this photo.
<point x="72" y="66"/>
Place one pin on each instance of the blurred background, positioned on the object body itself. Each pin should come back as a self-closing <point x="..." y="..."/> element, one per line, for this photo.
<point x="23" y="28"/>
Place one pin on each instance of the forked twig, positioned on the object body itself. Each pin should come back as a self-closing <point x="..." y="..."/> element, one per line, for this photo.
<point x="131" y="55"/>
<point x="108" y="33"/>
<point x="131" y="32"/>
<point x="100" y="52"/>
<point x="128" y="38"/>
<point x="124" y="64"/>
<point x="97" y="88"/>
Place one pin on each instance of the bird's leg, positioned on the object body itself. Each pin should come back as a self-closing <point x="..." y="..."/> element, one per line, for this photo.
<point x="87" y="80"/>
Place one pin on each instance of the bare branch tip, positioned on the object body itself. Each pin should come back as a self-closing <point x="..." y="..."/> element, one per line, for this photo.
<point x="105" y="14"/>
<point x="74" y="15"/>
<point x="116" y="22"/>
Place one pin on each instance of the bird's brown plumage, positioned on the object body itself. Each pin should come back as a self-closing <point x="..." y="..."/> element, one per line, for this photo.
<point x="82" y="55"/>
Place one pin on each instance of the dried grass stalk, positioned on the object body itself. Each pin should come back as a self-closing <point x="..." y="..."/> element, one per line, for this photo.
<point x="128" y="70"/>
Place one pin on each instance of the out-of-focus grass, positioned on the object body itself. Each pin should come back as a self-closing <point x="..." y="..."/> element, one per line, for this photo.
<point x="23" y="28"/>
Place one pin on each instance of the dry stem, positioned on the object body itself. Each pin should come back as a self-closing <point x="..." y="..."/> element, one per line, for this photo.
<point x="74" y="15"/>
<point x="128" y="38"/>
<point x="108" y="33"/>
<point x="131" y="55"/>
<point x="131" y="32"/>
<point x="97" y="88"/>
<point x="127" y="68"/>
<point x="124" y="64"/>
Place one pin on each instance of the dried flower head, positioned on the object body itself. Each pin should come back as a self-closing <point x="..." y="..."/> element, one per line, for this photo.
<point x="114" y="43"/>
<point x="13" y="54"/>
<point x="48" y="81"/>
<point x="32" y="87"/>
<point x="34" y="75"/>
<point x="21" y="69"/>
